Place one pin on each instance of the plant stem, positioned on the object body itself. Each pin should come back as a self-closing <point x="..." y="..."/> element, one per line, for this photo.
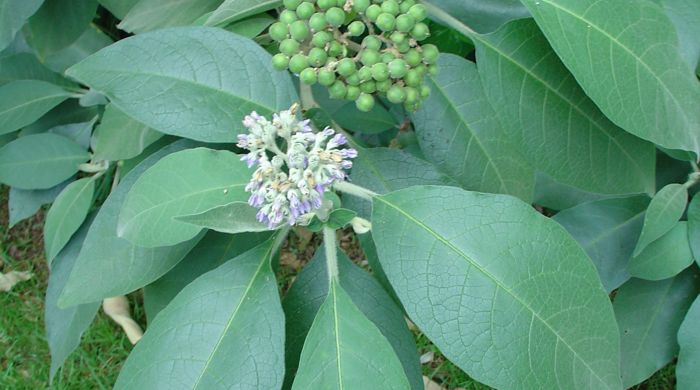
<point x="329" y="240"/>
<point x="354" y="190"/>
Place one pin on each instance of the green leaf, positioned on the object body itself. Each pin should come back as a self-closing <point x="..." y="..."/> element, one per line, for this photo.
<point x="349" y="117"/>
<point x="25" y="66"/>
<point x="91" y="40"/>
<point x="194" y="82"/>
<point x="665" y="209"/>
<point x="65" y="327"/>
<point x="558" y="127"/>
<point x="184" y="183"/>
<point x="251" y="27"/>
<point x="24" y="101"/>
<point x="558" y="196"/>
<point x="65" y="113"/>
<point x="13" y="15"/>
<point x="233" y="10"/>
<point x="344" y="349"/>
<point x="310" y="289"/>
<point x="224" y="330"/>
<point x="459" y="132"/>
<point x="58" y="23"/>
<point x="689" y="355"/>
<point x="108" y="265"/>
<point x="629" y="64"/>
<point x="477" y="15"/>
<point x="665" y="257"/>
<point x="649" y="315"/>
<point x="120" y="137"/>
<point x="80" y="133"/>
<point x="214" y="250"/>
<point x="22" y="204"/>
<point x="607" y="230"/>
<point x="340" y="218"/>
<point x="694" y="227"/>
<point x="685" y="15"/>
<point x="148" y="15"/>
<point x="504" y="292"/>
<point x="118" y="8"/>
<point x="66" y="215"/>
<point x="40" y="161"/>
<point x="236" y="217"/>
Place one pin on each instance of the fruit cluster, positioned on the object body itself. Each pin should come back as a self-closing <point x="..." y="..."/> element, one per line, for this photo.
<point x="357" y="48"/>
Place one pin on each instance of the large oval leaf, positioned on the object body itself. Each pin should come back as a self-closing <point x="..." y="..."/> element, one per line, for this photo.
<point x="194" y="82"/>
<point x="223" y="331"/>
<point x="504" y="292"/>
<point x="232" y="10"/>
<point x="607" y="230"/>
<point x="558" y="127"/>
<point x="345" y="350"/>
<point x="685" y="15"/>
<point x="25" y="66"/>
<point x="13" y="15"/>
<point x="40" y="161"/>
<point x="48" y="33"/>
<point x="22" y="204"/>
<point x="689" y="355"/>
<point x="665" y="257"/>
<point x="458" y="130"/>
<point x="120" y="137"/>
<point x="24" y="101"/>
<point x="478" y="15"/>
<point x="149" y="15"/>
<point x="108" y="265"/>
<point x="665" y="209"/>
<point x="66" y="215"/>
<point x="649" y="315"/>
<point x="625" y="55"/>
<point x="694" y="227"/>
<point x="309" y="291"/>
<point x="184" y="183"/>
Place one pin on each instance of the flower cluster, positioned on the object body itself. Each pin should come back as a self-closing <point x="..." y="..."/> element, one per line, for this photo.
<point x="288" y="185"/>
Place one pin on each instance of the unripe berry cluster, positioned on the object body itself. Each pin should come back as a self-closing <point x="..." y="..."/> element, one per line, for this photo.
<point x="358" y="48"/>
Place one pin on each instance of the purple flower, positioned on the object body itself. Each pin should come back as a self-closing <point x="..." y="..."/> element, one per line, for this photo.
<point x="251" y="159"/>
<point x="337" y="140"/>
<point x="348" y="153"/>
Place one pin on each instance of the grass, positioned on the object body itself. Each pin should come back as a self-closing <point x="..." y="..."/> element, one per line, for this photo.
<point x="24" y="354"/>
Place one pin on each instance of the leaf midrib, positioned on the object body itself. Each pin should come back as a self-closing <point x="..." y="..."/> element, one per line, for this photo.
<point x="33" y="101"/>
<point x="63" y="219"/>
<point x="498" y="283"/>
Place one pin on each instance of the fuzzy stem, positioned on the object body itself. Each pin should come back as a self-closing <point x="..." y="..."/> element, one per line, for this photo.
<point x="329" y="241"/>
<point x="355" y="190"/>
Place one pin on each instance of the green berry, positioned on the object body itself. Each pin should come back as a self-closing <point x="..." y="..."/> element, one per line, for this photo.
<point x="318" y="22"/>
<point x="397" y="37"/>
<point x="406" y="5"/>
<point x="369" y="57"/>
<point x="299" y="31"/>
<point x="380" y="71"/>
<point x="433" y="70"/>
<point x="335" y="16"/>
<point x="398" y="68"/>
<point x="430" y="53"/>
<point x="338" y="90"/>
<point x="413" y="57"/>
<point x="383" y="86"/>
<point x="396" y="94"/>
<point x="305" y="10"/>
<point x="371" y="42"/>
<point x="420" y="31"/>
<point x="298" y="63"/>
<point x="353" y="79"/>
<point x="325" y="4"/>
<point x="291" y="4"/>
<point x="321" y="38"/>
<point x="280" y="61"/>
<point x="353" y="92"/>
<point x="413" y="78"/>
<point x="373" y="12"/>
<point x="388" y="57"/>
<point x="365" y="102"/>
<point x="336" y="49"/>
<point x="419" y="12"/>
<point x="368" y="87"/>
<point x="326" y="77"/>
<point x="289" y="47"/>
<point x="386" y="21"/>
<point x="412" y="95"/>
<point x="390" y="7"/>
<point x="288" y="17"/>
<point x="403" y="47"/>
<point x="346" y="67"/>
<point x="308" y="76"/>
<point x="360" y="5"/>
<point x="317" y="57"/>
<point x="356" y="28"/>
<point x="424" y="91"/>
<point x="405" y="23"/>
<point x="279" y="31"/>
<point x="365" y="73"/>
